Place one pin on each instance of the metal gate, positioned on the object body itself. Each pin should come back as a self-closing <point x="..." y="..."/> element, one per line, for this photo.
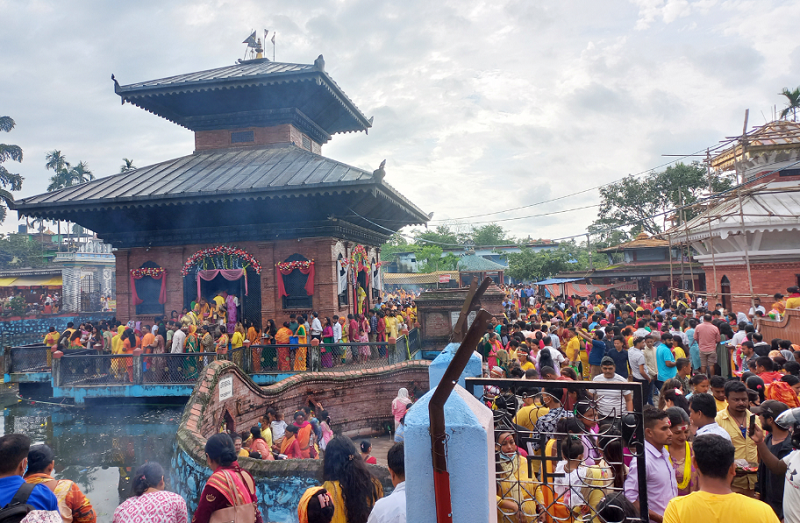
<point x="531" y="414"/>
<point x="90" y="294"/>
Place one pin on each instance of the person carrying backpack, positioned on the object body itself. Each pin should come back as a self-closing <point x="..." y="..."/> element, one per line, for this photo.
<point x="18" y="498"/>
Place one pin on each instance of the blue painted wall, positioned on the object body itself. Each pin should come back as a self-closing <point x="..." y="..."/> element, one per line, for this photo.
<point x="470" y="460"/>
<point x="31" y="328"/>
<point x="269" y="379"/>
<point x="277" y="497"/>
<point x="81" y="394"/>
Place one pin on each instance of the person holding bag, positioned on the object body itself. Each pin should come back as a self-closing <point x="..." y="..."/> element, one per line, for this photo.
<point x="230" y="492"/>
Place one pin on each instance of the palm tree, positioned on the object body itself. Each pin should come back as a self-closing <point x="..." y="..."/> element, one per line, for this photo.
<point x="792" y="103"/>
<point x="127" y="166"/>
<point x="8" y="181"/>
<point x="56" y="161"/>
<point x="81" y="173"/>
<point x="60" y="180"/>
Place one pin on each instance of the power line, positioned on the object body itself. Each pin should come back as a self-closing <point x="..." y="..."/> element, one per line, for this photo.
<point x="651" y="170"/>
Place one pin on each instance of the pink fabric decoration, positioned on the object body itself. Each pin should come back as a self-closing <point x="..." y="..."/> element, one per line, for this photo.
<point x="228" y="274"/>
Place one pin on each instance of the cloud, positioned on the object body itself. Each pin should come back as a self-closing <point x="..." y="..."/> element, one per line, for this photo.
<point x="479" y="106"/>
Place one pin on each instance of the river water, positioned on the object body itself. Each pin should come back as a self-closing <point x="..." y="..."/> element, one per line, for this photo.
<point x="99" y="447"/>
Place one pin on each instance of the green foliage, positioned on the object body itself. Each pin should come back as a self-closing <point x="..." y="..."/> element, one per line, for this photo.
<point x="490" y="234"/>
<point x="792" y="103"/>
<point x="529" y="265"/>
<point x="8" y="181"/>
<point x="18" y="250"/>
<point x="441" y="236"/>
<point x="17" y="306"/>
<point x="632" y="202"/>
<point x="127" y="165"/>
<point x="65" y="175"/>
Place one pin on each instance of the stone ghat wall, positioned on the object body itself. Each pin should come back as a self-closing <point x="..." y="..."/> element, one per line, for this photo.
<point x="358" y="401"/>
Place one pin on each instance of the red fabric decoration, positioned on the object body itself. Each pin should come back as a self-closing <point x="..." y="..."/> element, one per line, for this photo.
<point x="283" y="271"/>
<point x="137" y="274"/>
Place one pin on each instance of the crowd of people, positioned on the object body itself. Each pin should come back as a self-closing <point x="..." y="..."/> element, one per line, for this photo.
<point x="213" y="327"/>
<point x="349" y="493"/>
<point x="719" y="424"/>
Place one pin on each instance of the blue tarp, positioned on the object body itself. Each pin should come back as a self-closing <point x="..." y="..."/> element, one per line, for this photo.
<point x="552" y="281"/>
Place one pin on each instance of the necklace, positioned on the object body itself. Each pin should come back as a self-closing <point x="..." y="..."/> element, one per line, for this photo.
<point x="687" y="467"/>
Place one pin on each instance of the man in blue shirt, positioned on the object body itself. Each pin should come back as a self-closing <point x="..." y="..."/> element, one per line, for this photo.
<point x="13" y="462"/>
<point x="665" y="360"/>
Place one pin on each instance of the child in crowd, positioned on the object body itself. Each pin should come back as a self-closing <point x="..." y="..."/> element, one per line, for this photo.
<point x="574" y="481"/>
<point x="278" y="428"/>
<point x="699" y="384"/>
<point x="717" y="384"/>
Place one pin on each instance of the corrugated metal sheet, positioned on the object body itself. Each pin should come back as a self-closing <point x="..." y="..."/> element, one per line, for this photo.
<point x="214" y="172"/>
<point x="474" y="263"/>
<point x="416" y="278"/>
<point x="238" y="71"/>
<point x="772" y="206"/>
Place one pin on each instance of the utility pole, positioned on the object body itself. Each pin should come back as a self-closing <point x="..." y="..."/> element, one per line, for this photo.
<point x="740" y="171"/>
<point x="710" y="233"/>
<point x="589" y="248"/>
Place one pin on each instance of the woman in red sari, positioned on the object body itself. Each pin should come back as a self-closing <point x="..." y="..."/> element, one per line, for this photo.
<point x="229" y="485"/>
<point x="282" y="338"/>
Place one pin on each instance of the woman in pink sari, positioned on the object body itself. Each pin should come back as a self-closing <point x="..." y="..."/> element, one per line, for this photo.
<point x="363" y="336"/>
<point x="399" y="405"/>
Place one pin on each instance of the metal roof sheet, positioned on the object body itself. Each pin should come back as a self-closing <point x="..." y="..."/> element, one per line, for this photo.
<point x="214" y="173"/>
<point x="237" y="71"/>
<point x="474" y="263"/>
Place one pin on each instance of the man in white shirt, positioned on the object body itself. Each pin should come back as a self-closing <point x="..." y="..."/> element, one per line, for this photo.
<point x="702" y="413"/>
<point x="611" y="403"/>
<point x="179" y="340"/>
<point x="757" y="307"/>
<point x="557" y="357"/>
<point x="337" y="330"/>
<point x="392" y="508"/>
<point x="316" y="327"/>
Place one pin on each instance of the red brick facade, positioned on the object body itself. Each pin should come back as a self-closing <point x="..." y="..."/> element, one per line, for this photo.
<point x="286" y="133"/>
<point x="768" y="278"/>
<point x="324" y="252"/>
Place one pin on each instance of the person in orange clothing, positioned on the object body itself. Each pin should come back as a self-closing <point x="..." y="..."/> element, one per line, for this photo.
<point x="129" y="342"/>
<point x="72" y="503"/>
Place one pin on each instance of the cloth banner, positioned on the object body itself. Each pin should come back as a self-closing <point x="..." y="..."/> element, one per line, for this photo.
<point x="377" y="282"/>
<point x="342" y="278"/>
<point x="228" y="274"/>
<point x="309" y="283"/>
<point x="162" y="296"/>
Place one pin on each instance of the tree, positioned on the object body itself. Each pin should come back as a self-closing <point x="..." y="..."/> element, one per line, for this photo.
<point x="57" y="162"/>
<point x="442" y="236"/>
<point x="127" y="165"/>
<point x="644" y="203"/>
<point x="529" y="265"/>
<point x="81" y="173"/>
<point x="18" y="250"/>
<point x="8" y="181"/>
<point x="490" y="234"/>
<point x="792" y="103"/>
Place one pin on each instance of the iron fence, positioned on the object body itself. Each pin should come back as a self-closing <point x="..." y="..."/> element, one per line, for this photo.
<point x="29" y="358"/>
<point x="335" y="357"/>
<point x="93" y="369"/>
<point x="182" y="367"/>
<point x="562" y="448"/>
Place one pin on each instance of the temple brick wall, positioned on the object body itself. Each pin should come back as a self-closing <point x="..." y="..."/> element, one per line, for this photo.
<point x="285" y="133"/>
<point x="768" y="278"/>
<point x="322" y="250"/>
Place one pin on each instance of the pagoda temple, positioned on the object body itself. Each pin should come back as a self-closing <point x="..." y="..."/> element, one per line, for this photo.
<point x="255" y="210"/>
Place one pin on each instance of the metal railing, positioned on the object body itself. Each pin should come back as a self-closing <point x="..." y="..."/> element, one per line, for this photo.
<point x="129" y="369"/>
<point x="595" y="435"/>
<point x="175" y="368"/>
<point x="334" y="357"/>
<point x="35" y="357"/>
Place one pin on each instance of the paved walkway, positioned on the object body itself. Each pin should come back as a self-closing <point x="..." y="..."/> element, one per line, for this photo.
<point x="380" y="446"/>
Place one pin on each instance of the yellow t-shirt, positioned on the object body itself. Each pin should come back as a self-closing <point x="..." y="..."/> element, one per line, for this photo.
<point x="574" y="348"/>
<point x="267" y="435"/>
<point x="236" y="340"/>
<point x="527" y="366"/>
<point x="717" y="508"/>
<point x="793" y="303"/>
<point x="244" y="453"/>
<point x="721" y="405"/>
<point x="679" y="353"/>
<point x="528" y="415"/>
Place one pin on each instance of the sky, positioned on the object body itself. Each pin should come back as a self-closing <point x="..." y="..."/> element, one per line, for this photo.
<point x="479" y="107"/>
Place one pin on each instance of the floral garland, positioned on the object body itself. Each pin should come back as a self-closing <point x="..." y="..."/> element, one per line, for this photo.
<point x="221" y="257"/>
<point x="153" y="272"/>
<point x="359" y="255"/>
<point x="290" y="266"/>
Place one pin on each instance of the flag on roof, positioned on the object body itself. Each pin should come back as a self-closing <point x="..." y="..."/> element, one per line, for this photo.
<point x="251" y="40"/>
<point x="273" y="38"/>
